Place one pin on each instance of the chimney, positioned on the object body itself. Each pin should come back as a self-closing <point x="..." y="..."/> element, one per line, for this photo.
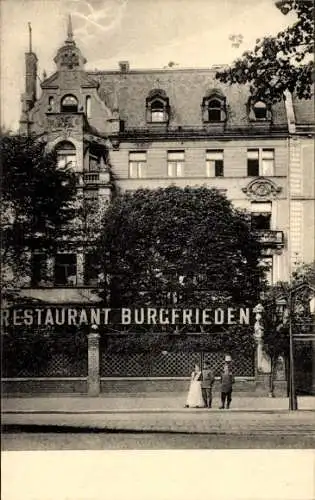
<point x="124" y="66"/>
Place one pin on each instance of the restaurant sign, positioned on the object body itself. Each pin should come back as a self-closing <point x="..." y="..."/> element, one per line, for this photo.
<point x="78" y="316"/>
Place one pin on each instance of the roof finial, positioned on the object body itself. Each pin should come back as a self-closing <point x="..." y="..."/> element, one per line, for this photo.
<point x="29" y="37"/>
<point x="69" y="30"/>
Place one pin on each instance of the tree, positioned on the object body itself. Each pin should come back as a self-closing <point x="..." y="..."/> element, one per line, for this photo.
<point x="180" y="248"/>
<point x="279" y="63"/>
<point x="37" y="202"/>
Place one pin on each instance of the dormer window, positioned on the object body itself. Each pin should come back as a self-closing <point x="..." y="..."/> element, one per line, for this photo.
<point x="260" y="110"/>
<point x="214" y="107"/>
<point x="157" y="106"/>
<point x="214" y="111"/>
<point x="157" y="111"/>
<point x="69" y="104"/>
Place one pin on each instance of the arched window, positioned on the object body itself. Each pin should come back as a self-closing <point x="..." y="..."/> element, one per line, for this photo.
<point x="69" y="104"/>
<point x="66" y="154"/>
<point x="157" y="111"/>
<point x="214" y="107"/>
<point x="214" y="110"/>
<point x="88" y="106"/>
<point x="157" y="104"/>
<point x="260" y="110"/>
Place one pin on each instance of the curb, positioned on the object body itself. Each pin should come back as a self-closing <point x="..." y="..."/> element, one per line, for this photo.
<point x="64" y="428"/>
<point x="149" y="411"/>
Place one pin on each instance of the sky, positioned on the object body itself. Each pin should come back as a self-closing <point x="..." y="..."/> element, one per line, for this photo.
<point x="147" y="33"/>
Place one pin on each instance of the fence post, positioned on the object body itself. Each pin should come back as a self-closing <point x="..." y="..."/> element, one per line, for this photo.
<point x="93" y="363"/>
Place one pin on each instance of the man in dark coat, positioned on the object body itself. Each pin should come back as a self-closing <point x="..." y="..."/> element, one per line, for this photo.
<point x="227" y="381"/>
<point x="206" y="385"/>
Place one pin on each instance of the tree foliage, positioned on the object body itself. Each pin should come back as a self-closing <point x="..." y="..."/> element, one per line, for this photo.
<point x="279" y="63"/>
<point x="180" y="248"/>
<point x="37" y="199"/>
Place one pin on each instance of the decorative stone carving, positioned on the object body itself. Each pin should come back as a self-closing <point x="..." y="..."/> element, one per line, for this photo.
<point x="263" y="360"/>
<point x="280" y="369"/>
<point x="261" y="189"/>
<point x="115" y="144"/>
<point x="65" y="122"/>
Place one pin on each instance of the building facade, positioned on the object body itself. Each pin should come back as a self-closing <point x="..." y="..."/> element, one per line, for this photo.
<point x="126" y="129"/>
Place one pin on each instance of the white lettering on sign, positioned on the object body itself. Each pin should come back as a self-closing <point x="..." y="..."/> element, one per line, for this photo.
<point x="73" y="316"/>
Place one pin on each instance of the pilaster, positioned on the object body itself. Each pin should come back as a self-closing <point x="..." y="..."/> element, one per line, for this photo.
<point x="93" y="364"/>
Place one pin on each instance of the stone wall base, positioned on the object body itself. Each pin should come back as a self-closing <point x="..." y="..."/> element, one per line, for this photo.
<point x="45" y="386"/>
<point x="262" y="386"/>
<point x="78" y="386"/>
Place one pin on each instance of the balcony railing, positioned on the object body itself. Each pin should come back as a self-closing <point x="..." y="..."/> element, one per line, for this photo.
<point x="92" y="178"/>
<point x="96" y="177"/>
<point x="270" y="238"/>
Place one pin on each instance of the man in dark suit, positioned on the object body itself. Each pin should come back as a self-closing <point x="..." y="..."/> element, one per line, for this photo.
<point x="227" y="381"/>
<point x="207" y="382"/>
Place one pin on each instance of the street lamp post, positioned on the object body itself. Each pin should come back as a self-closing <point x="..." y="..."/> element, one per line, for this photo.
<point x="286" y="305"/>
<point x="288" y="301"/>
<point x="292" y="389"/>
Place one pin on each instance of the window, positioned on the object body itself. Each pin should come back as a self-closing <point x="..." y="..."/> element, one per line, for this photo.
<point x="39" y="269"/>
<point x="260" y="162"/>
<point x="137" y="165"/>
<point x="65" y="269"/>
<point x="66" y="155"/>
<point x="214" y="107"/>
<point x="215" y="163"/>
<point x="51" y="103"/>
<point x="90" y="270"/>
<point x="260" y="110"/>
<point x="157" y="106"/>
<point x="266" y="263"/>
<point x="267" y="162"/>
<point x="157" y="111"/>
<point x="261" y="216"/>
<point x="214" y="111"/>
<point x="94" y="163"/>
<point x="253" y="162"/>
<point x="88" y="106"/>
<point x="69" y="104"/>
<point x="175" y="163"/>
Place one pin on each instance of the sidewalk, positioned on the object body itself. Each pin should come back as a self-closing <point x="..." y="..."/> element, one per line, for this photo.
<point x="140" y="403"/>
<point x="158" y="413"/>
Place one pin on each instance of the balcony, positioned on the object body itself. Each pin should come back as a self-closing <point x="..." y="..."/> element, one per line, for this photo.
<point x="269" y="238"/>
<point x="92" y="178"/>
<point x="100" y="177"/>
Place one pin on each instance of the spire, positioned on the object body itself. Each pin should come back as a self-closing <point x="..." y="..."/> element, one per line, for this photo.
<point x="69" y="55"/>
<point x="69" y="31"/>
<point x="29" y="37"/>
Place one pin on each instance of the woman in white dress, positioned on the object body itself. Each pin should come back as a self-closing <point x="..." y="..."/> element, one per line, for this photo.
<point x="194" y="398"/>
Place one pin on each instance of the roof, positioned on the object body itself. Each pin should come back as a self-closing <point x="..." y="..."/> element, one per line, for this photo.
<point x="185" y="89"/>
<point x="304" y="111"/>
